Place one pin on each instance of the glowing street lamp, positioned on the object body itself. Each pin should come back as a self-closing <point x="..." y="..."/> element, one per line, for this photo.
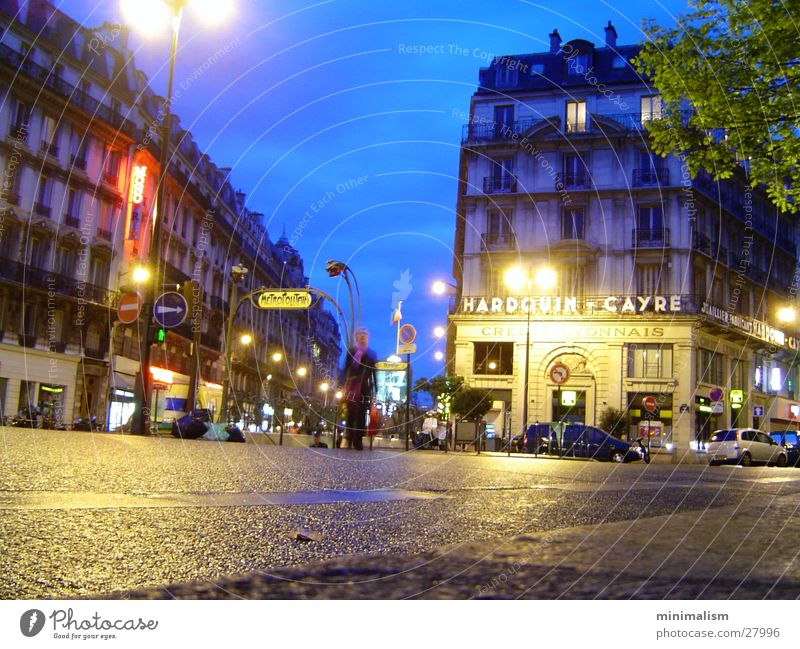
<point x="438" y="355"/>
<point x="246" y="339"/>
<point x="438" y="331"/>
<point x="301" y="371"/>
<point x="277" y="356"/>
<point x="787" y="314"/>
<point x="439" y="287"/>
<point x="517" y="279"/>
<point x="141" y="274"/>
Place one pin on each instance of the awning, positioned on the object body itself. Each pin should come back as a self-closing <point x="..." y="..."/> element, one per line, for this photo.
<point x="121" y="381"/>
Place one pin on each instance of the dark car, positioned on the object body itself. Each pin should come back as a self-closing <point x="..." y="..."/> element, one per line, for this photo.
<point x="790" y="441"/>
<point x="579" y="440"/>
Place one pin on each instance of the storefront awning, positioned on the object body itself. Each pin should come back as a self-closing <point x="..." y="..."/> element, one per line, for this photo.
<point x="121" y="381"/>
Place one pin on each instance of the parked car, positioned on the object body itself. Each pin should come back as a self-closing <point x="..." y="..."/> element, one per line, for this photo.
<point x="579" y="440"/>
<point x="791" y="444"/>
<point x="745" y="446"/>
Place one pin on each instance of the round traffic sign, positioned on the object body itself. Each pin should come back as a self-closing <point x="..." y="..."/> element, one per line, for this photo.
<point x="559" y="373"/>
<point x="129" y="307"/>
<point x="170" y="309"/>
<point x="649" y="403"/>
<point x="716" y="394"/>
<point x="407" y="334"/>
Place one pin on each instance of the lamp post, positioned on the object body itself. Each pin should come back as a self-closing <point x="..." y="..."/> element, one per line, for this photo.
<point x="238" y="273"/>
<point x="515" y="279"/>
<point x="138" y="12"/>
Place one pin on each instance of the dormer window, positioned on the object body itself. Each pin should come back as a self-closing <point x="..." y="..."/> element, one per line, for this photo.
<point x="506" y="74"/>
<point x="577" y="64"/>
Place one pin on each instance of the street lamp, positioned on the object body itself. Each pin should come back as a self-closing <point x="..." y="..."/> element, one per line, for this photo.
<point x="438" y="355"/>
<point x="439" y="287"/>
<point x="141" y="274"/>
<point x="335" y="269"/>
<point x="517" y="279"/>
<point x="146" y="14"/>
<point x="246" y="339"/>
<point x="238" y="273"/>
<point x="438" y="331"/>
<point x="787" y="314"/>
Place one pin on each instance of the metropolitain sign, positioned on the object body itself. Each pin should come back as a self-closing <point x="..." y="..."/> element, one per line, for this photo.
<point x="570" y="305"/>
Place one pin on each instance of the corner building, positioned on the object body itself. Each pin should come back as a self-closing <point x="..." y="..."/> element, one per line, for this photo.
<point x="667" y="292"/>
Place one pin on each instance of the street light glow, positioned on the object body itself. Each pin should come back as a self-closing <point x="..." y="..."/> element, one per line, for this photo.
<point x="324" y="387"/>
<point x="439" y="287"/>
<point x="212" y="12"/>
<point x="545" y="278"/>
<point x="246" y="339"/>
<point x="302" y="371"/>
<point x="514" y="278"/>
<point x="277" y="356"/>
<point x="787" y="314"/>
<point x="438" y="355"/>
<point x="438" y="331"/>
<point x="140" y="274"/>
<point x="147" y="17"/>
<point x="338" y="394"/>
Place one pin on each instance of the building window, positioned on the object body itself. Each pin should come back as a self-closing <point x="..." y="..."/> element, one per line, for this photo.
<point x="651" y="279"/>
<point x="49" y="135"/>
<point x="111" y="166"/>
<point x="493" y="358"/>
<point x="73" y="206"/>
<point x="22" y="114"/>
<point x="498" y="229"/>
<point x="649" y="361"/>
<point x="710" y="367"/>
<point x="503" y="121"/>
<point x="67" y="261"/>
<point x="575" y="172"/>
<point x="577" y="64"/>
<point x="576" y="117"/>
<point x="650" y="107"/>
<point x="506" y="74"/>
<point x="572" y="281"/>
<point x="43" y="195"/>
<point x="100" y="269"/>
<point x="502" y="177"/>
<point x="573" y="222"/>
<point x="650" y="226"/>
<point x="36" y="252"/>
<point x="618" y="62"/>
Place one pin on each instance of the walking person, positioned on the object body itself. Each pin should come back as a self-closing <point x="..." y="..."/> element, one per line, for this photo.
<point x="359" y="387"/>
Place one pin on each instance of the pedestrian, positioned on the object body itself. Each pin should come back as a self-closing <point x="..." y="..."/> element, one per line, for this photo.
<point x="359" y="387"/>
<point x="318" y="443"/>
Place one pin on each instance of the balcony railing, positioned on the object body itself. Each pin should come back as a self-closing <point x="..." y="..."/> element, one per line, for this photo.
<point x="495" y="132"/>
<point x="572" y="181"/>
<point x="12" y="198"/>
<point x="75" y="97"/>
<point x="650" y="176"/>
<point x="499" y="185"/>
<point x="42" y="210"/>
<point x="643" y="238"/>
<point x="72" y="221"/>
<point x="49" y="149"/>
<point x="499" y="240"/>
<point x="78" y="163"/>
<point x="630" y="121"/>
<point x="104" y="234"/>
<point x="64" y="285"/>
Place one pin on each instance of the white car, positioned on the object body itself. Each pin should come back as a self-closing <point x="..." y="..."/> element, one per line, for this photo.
<point x="745" y="446"/>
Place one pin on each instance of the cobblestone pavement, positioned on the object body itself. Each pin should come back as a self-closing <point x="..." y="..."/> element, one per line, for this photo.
<point x="87" y="515"/>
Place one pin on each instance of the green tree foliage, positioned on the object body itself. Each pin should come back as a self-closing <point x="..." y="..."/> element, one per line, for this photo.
<point x="728" y="74"/>
<point x="441" y="389"/>
<point x="472" y="404"/>
<point x="614" y="422"/>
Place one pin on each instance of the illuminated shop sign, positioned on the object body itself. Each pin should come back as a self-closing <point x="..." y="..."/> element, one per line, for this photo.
<point x="568" y="305"/>
<point x="138" y="177"/>
<point x="755" y="328"/>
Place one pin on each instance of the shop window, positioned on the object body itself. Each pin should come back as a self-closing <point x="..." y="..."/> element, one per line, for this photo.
<point x="493" y="358"/>
<point x="649" y="361"/>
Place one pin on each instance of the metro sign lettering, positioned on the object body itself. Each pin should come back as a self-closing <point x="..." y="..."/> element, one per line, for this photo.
<point x="137" y="184"/>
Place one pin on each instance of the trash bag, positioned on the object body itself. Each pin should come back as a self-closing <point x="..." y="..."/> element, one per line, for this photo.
<point x="193" y="429"/>
<point x="216" y="433"/>
<point x="234" y="433"/>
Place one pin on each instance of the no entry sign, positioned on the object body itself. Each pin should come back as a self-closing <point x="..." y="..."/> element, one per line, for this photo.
<point x="650" y="404"/>
<point x="129" y="307"/>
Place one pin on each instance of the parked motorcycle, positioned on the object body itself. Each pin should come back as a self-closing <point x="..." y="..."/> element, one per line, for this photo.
<point x="87" y="425"/>
<point x="26" y="418"/>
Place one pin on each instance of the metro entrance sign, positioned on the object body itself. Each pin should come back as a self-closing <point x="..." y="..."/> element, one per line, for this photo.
<point x="282" y="299"/>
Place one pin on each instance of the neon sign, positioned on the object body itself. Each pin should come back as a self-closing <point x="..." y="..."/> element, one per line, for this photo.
<point x="137" y="184"/>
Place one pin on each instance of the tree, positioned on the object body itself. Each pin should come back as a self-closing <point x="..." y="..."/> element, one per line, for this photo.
<point x="734" y="65"/>
<point x="614" y="422"/>
<point x="472" y="404"/>
<point x="441" y="389"/>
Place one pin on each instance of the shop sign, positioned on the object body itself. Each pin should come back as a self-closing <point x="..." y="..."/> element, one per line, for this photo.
<point x="755" y="328"/>
<point x="572" y="305"/>
<point x="717" y="408"/>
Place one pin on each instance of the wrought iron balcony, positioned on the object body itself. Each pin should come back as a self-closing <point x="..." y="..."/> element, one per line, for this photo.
<point x="499" y="185"/>
<point x="29" y="276"/>
<point x="492" y="131"/>
<point x="572" y="181"/>
<point x="643" y="238"/>
<point x="77" y="163"/>
<point x="42" y="210"/>
<point x="49" y="149"/>
<point x="104" y="234"/>
<point x="72" y="221"/>
<point x="499" y="241"/>
<point x="650" y="176"/>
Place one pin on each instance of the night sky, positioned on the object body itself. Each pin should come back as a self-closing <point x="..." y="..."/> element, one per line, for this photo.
<point x="338" y="133"/>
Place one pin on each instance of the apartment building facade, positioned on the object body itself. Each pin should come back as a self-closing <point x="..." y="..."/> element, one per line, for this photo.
<point x="79" y="150"/>
<point x="667" y="289"/>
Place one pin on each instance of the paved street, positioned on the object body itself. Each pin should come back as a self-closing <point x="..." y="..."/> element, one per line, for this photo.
<point x="87" y="515"/>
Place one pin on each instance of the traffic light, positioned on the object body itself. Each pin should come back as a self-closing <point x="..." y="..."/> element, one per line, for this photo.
<point x="161" y="335"/>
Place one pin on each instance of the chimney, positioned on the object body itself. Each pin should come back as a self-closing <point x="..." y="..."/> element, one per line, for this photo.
<point x="611" y="35"/>
<point x="555" y="42"/>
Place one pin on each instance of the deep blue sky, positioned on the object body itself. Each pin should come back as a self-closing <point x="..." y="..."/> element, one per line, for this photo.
<point x="313" y="94"/>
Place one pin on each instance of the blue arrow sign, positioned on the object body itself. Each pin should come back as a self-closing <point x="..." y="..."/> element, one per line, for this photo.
<point x="170" y="309"/>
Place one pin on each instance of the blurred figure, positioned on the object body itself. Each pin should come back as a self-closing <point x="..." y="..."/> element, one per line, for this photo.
<point x="359" y="387"/>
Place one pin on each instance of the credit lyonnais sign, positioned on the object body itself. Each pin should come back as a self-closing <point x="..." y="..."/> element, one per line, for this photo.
<point x="570" y="305"/>
<point x="281" y="299"/>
